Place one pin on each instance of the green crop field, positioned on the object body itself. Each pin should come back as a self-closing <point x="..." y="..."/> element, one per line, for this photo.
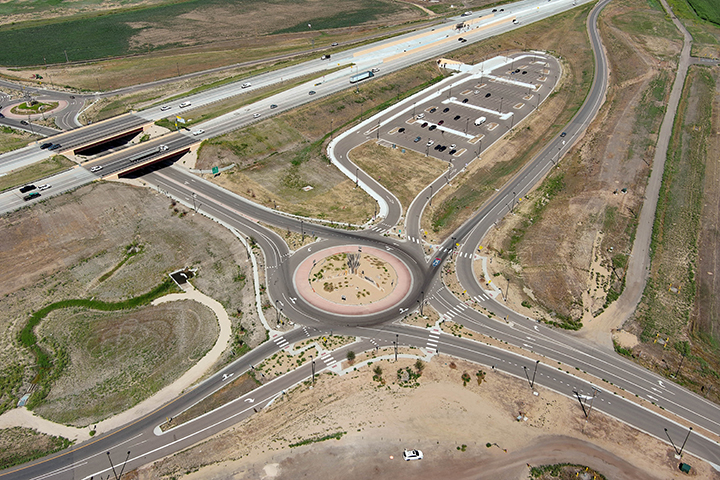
<point x="707" y="9"/>
<point x="365" y="12"/>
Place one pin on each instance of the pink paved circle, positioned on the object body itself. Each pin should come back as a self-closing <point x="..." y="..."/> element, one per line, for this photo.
<point x="307" y="292"/>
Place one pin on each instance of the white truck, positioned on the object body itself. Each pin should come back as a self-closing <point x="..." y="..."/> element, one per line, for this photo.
<point x="480" y="121"/>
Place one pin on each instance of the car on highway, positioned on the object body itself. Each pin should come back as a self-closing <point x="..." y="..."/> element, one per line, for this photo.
<point x="163" y="148"/>
<point x="96" y="168"/>
<point x="184" y="104"/>
<point x="417" y="139"/>
<point x="273" y="106"/>
<point x="165" y="108"/>
<point x="2" y="116"/>
<point x="44" y="187"/>
<point x="425" y="124"/>
<point x="436" y="262"/>
<point x="45" y="145"/>
<point x="412" y="454"/>
<point x="24" y="122"/>
<point x="494" y="10"/>
<point x="27" y="188"/>
<point x="430" y="142"/>
<point x="334" y="44"/>
<point x="199" y="131"/>
<point x="54" y="146"/>
<point x="461" y="39"/>
<point x="30" y="196"/>
<point x="563" y="134"/>
<point x="256" y="115"/>
<point x="401" y="129"/>
<point x="432" y="127"/>
<point x="457" y="117"/>
<point x="375" y="70"/>
<point x="245" y="85"/>
<point x="445" y="110"/>
<point x="311" y="92"/>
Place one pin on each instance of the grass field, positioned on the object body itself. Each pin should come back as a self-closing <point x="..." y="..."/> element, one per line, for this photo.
<point x="19" y="445"/>
<point x="146" y="28"/>
<point x="677" y="317"/>
<point x="11" y="139"/>
<point x="35" y="172"/>
<point x="707" y="9"/>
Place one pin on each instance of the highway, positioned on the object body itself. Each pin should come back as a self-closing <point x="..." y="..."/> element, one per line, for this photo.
<point x="143" y="443"/>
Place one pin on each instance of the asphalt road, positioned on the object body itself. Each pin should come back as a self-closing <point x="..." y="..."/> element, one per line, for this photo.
<point x="143" y="445"/>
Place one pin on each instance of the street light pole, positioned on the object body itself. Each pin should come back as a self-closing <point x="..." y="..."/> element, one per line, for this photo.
<point x="312" y="362"/>
<point x="356" y="177"/>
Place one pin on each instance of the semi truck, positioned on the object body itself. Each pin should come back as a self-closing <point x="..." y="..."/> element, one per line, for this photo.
<point x="361" y="76"/>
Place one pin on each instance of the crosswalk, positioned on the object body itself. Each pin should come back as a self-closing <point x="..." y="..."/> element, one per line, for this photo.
<point x="379" y="229"/>
<point x="433" y="338"/>
<point x="281" y="342"/>
<point x="327" y="357"/>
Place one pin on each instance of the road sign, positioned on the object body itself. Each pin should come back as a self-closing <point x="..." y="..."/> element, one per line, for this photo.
<point x="215" y="170"/>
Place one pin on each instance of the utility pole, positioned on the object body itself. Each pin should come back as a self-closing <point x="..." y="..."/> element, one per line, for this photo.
<point x="312" y="361"/>
<point x="395" y="344"/>
<point x="531" y="382"/>
<point x="678" y="452"/>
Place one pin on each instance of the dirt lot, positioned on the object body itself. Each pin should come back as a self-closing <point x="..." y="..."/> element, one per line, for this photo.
<point x="565" y="249"/>
<point x="464" y="432"/>
<point x="64" y="248"/>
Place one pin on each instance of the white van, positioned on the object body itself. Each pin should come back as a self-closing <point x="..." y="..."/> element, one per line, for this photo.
<point x="480" y="121"/>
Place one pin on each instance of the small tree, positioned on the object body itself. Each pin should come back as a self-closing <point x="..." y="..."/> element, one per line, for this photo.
<point x="378" y="371"/>
<point x="465" y="378"/>
<point x="419" y="366"/>
<point x="351" y="356"/>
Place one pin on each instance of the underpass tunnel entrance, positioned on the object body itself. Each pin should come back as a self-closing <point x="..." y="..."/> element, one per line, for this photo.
<point x="104" y="145"/>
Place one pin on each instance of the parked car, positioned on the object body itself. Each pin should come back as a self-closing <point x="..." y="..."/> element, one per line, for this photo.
<point x="421" y="115"/>
<point x="457" y="117"/>
<point x="441" y="122"/>
<point x="165" y="108"/>
<point x="487" y="95"/>
<point x="401" y="129"/>
<point x="44" y="187"/>
<point x="415" y="454"/>
<point x="199" y="131"/>
<point x="425" y="124"/>
<point x="45" y="145"/>
<point x="417" y="139"/>
<point x="96" y="168"/>
<point x="433" y="110"/>
<point x="445" y="110"/>
<point x="452" y="152"/>
<point x="466" y="100"/>
<point x="430" y="142"/>
<point x="432" y="127"/>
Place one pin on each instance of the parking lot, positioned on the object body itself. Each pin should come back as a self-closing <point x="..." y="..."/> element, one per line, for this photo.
<point x="462" y="119"/>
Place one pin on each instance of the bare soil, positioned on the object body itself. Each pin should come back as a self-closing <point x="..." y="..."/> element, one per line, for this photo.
<point x="61" y="249"/>
<point x="565" y="256"/>
<point x="439" y="417"/>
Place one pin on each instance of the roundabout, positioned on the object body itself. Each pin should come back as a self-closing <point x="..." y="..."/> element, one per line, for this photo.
<point x="353" y="280"/>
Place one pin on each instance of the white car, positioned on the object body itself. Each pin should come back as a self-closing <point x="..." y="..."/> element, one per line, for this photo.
<point x="165" y="107"/>
<point x="184" y="104"/>
<point x="412" y="455"/>
<point x="96" y="168"/>
<point x="453" y="146"/>
<point x="43" y="187"/>
<point x="256" y="115"/>
<point x="421" y="115"/>
<point x="245" y="85"/>
<point x="198" y="132"/>
<point x="163" y="148"/>
<point x="430" y="142"/>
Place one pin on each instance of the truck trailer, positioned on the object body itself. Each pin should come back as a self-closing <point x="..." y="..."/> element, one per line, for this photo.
<point x="361" y="76"/>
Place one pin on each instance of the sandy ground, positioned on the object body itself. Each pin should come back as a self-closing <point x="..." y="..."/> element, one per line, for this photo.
<point x="374" y="279"/>
<point x="437" y="417"/>
<point x="22" y="417"/>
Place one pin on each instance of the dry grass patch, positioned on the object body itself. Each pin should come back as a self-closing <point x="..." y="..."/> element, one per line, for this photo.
<point x="404" y="174"/>
<point x="19" y="445"/>
<point x="11" y="139"/>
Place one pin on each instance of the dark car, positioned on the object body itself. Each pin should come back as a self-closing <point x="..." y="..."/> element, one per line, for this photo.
<point x="457" y="117"/>
<point x="437" y="147"/>
<point x="273" y="106"/>
<point x="432" y="127"/>
<point x="452" y="152"/>
<point x="2" y="116"/>
<point x="417" y="139"/>
<point x="443" y="148"/>
<point x="494" y="10"/>
<point x="72" y="96"/>
<point x="312" y="92"/>
<point x="563" y="134"/>
<point x="401" y="129"/>
<point x="517" y="70"/>
<point x="23" y="122"/>
<point x="460" y="39"/>
<point x="487" y="95"/>
<point x="466" y="100"/>
<point x="445" y="110"/>
<point x="30" y="196"/>
<point x="441" y="122"/>
<point x="524" y="72"/>
<point x="27" y="188"/>
<point x="54" y="146"/>
<point x="433" y="110"/>
<point x="425" y="124"/>
<point x="45" y="145"/>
